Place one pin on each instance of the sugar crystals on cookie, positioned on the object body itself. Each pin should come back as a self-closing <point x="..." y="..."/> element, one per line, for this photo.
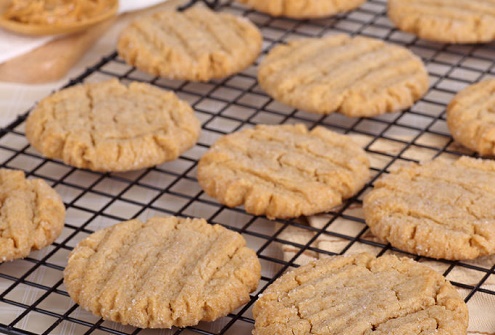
<point x="471" y="117"/>
<point x="438" y="209"/>
<point x="31" y="214"/>
<point x="361" y="294"/>
<point x="164" y="272"/>
<point x="450" y="21"/>
<point x="355" y="76"/>
<point x="197" y="44"/>
<point x="283" y="171"/>
<point x="108" y="126"/>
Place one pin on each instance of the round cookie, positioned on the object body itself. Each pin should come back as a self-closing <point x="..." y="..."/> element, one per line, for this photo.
<point x="108" y="126"/>
<point x="165" y="272"/>
<point x="361" y="294"/>
<point x="471" y="117"/>
<point x="438" y="209"/>
<point x="449" y="21"/>
<point x="197" y="44"/>
<point x="303" y="9"/>
<point x="355" y="76"/>
<point x="283" y="171"/>
<point x="31" y="215"/>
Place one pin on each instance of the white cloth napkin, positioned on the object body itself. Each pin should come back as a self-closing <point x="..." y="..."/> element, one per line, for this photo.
<point x="13" y="45"/>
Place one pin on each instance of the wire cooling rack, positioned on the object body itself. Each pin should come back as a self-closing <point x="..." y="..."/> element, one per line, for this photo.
<point x="33" y="299"/>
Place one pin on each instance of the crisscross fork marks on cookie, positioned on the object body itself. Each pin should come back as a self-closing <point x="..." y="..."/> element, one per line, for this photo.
<point x="108" y="126"/>
<point x="197" y="44"/>
<point x="439" y="209"/>
<point x="283" y="171"/>
<point x="162" y="273"/>
<point x="454" y="21"/>
<point x="355" y="76"/>
<point x="31" y="215"/>
<point x="471" y="117"/>
<point x="361" y="294"/>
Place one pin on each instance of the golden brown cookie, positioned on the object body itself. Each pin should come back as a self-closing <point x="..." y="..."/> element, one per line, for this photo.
<point x="450" y="21"/>
<point x="197" y="44"/>
<point x="283" y="171"/>
<point x="303" y="9"/>
<point x="108" y="126"/>
<point x="471" y="117"/>
<point x="439" y="209"/>
<point x="361" y="294"/>
<point x="31" y="215"/>
<point x="165" y="272"/>
<point x="355" y="76"/>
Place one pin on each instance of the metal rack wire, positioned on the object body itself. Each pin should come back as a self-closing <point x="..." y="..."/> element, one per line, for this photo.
<point x="33" y="299"/>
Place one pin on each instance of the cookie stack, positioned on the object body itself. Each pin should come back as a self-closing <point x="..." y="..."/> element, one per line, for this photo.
<point x="180" y="271"/>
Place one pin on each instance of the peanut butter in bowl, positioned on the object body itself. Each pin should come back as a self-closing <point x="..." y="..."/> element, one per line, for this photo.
<point x="51" y="17"/>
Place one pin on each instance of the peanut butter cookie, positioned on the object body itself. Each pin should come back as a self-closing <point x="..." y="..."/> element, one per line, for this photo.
<point x="197" y="44"/>
<point x="31" y="215"/>
<point x="471" y="117"/>
<point x="361" y="294"/>
<point x="438" y="209"/>
<point x="449" y="21"/>
<point x="108" y="126"/>
<point x="283" y="171"/>
<point x="303" y="9"/>
<point x="355" y="76"/>
<point x="162" y="273"/>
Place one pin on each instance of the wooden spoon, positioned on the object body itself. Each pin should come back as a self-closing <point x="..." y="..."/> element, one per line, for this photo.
<point x="57" y="27"/>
